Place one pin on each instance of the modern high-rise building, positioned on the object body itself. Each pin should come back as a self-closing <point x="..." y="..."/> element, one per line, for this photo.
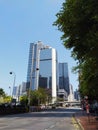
<point x="76" y="95"/>
<point x="42" y="68"/>
<point x="71" y="94"/>
<point x="15" y="91"/>
<point x="33" y="65"/>
<point x="64" y="89"/>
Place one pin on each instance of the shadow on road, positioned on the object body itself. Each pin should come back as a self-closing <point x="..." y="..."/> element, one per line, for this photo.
<point x="58" y="112"/>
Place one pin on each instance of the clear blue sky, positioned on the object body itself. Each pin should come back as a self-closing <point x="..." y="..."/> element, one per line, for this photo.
<point x="23" y="22"/>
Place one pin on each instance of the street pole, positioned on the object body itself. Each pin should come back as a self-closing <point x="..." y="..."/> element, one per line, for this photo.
<point x="29" y="100"/>
<point x="10" y="93"/>
<point x="13" y="81"/>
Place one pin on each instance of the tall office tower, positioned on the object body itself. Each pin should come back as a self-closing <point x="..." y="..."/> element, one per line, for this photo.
<point x="71" y="95"/>
<point x="23" y="88"/>
<point x="33" y="65"/>
<point x="63" y="78"/>
<point x="76" y="95"/>
<point x="14" y="93"/>
<point x="42" y="68"/>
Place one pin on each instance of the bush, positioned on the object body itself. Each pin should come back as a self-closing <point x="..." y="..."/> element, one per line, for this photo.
<point x="8" y="109"/>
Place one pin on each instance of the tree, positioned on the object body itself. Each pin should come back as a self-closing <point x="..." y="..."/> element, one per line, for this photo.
<point x="78" y="20"/>
<point x="7" y="99"/>
<point x="24" y="100"/>
<point x="2" y="93"/>
<point x="3" y="97"/>
<point x="38" y="97"/>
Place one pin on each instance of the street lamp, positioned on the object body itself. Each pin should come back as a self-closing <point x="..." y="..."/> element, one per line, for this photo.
<point x="30" y="87"/>
<point x="13" y="81"/>
<point x="10" y="93"/>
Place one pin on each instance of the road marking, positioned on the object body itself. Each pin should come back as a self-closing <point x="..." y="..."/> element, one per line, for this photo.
<point x="75" y="124"/>
<point x="52" y="126"/>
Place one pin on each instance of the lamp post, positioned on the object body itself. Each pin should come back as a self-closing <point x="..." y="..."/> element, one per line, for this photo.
<point x="10" y="93"/>
<point x="13" y="81"/>
<point x="30" y="88"/>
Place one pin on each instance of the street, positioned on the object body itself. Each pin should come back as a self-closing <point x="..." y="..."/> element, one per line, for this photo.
<point x="57" y="119"/>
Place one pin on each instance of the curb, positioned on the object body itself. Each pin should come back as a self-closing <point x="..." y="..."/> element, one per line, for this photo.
<point x="78" y="122"/>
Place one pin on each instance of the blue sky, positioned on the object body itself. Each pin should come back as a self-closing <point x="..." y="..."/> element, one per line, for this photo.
<point x="23" y="22"/>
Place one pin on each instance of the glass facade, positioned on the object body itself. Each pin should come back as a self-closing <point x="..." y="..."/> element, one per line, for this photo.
<point x="45" y="73"/>
<point x="48" y="70"/>
<point x="33" y="64"/>
<point x="63" y="77"/>
<point x="45" y="59"/>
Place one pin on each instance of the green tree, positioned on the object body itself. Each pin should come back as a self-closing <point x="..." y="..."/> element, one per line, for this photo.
<point x="78" y="20"/>
<point x="7" y="99"/>
<point x="24" y="100"/>
<point x="34" y="96"/>
<point x="3" y="97"/>
<point x="38" y="97"/>
<point x="2" y="93"/>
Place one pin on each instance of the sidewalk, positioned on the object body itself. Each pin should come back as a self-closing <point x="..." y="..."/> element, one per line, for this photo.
<point x="87" y="122"/>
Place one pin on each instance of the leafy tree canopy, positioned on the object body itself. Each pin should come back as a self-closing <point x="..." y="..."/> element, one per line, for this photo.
<point x="2" y="93"/>
<point x="78" y="20"/>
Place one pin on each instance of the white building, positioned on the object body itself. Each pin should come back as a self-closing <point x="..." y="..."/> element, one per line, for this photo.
<point x="71" y="94"/>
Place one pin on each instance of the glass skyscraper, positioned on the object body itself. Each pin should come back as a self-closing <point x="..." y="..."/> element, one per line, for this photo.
<point x="33" y="65"/>
<point x="42" y="68"/>
<point x="64" y="77"/>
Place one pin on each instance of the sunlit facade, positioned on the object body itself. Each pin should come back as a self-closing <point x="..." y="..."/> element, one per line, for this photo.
<point x="33" y="65"/>
<point x="42" y="68"/>
<point x="48" y="70"/>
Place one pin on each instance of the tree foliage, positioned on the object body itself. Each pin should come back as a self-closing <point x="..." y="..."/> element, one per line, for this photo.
<point x="2" y="93"/>
<point x="24" y="100"/>
<point x="4" y="98"/>
<point x="78" y="20"/>
<point x="37" y="97"/>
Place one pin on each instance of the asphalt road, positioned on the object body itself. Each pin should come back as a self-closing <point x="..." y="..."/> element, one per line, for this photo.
<point x="58" y="119"/>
